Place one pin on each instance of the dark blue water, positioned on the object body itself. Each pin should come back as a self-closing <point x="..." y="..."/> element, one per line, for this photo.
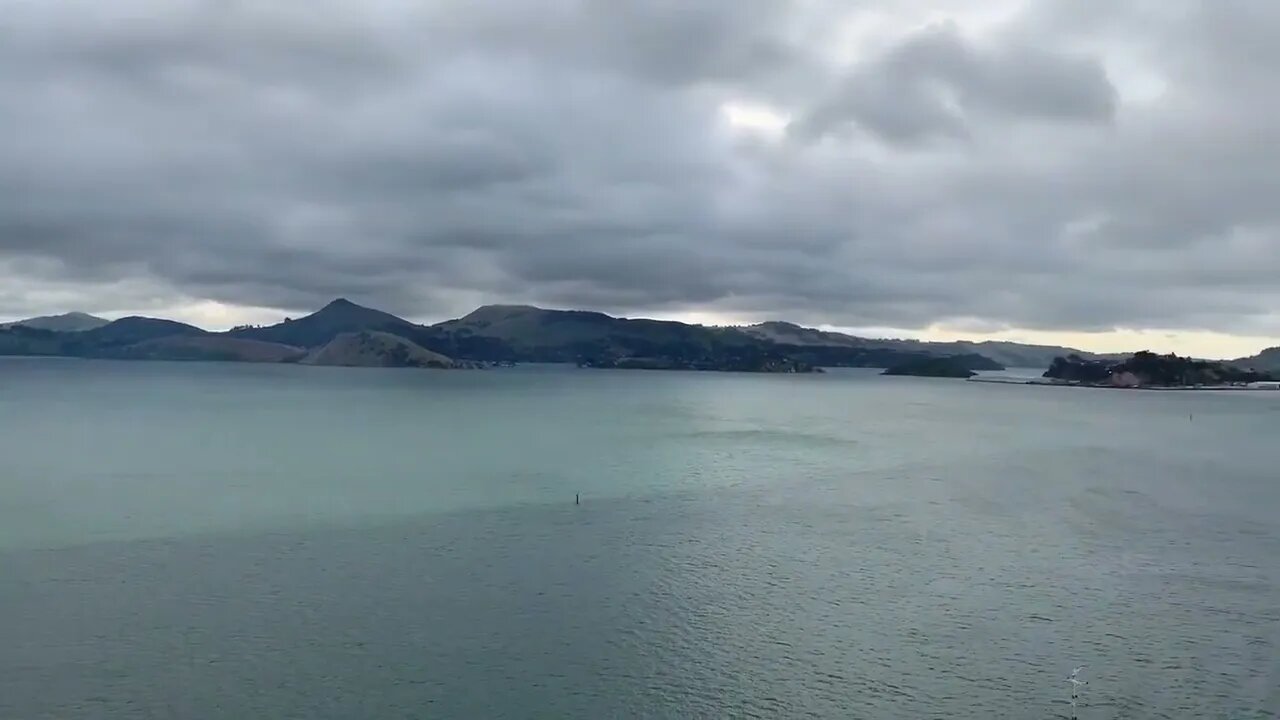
<point x="227" y="541"/>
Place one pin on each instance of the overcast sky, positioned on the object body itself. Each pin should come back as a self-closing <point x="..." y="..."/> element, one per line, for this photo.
<point x="1088" y="171"/>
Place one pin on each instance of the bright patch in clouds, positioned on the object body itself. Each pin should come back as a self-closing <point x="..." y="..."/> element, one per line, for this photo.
<point x="755" y="118"/>
<point x="208" y="314"/>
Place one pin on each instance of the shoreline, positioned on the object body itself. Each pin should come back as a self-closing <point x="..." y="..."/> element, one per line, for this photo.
<point x="1047" y="382"/>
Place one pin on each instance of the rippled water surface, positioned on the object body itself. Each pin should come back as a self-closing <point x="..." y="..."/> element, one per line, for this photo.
<point x="231" y="541"/>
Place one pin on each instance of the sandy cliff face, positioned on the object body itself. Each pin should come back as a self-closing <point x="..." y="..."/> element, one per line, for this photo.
<point x="1125" y="379"/>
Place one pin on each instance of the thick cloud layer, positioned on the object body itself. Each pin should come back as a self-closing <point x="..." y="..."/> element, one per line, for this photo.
<point x="1056" y="164"/>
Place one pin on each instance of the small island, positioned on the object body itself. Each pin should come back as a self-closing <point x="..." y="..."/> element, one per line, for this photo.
<point x="954" y="366"/>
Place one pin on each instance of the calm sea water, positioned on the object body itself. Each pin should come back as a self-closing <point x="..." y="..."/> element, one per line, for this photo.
<point x="235" y="541"/>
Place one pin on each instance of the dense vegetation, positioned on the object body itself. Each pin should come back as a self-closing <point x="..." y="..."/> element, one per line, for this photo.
<point x="1147" y="368"/>
<point x="1074" y="368"/>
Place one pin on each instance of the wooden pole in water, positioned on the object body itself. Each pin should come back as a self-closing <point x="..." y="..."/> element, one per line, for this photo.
<point x="1075" y="689"/>
<point x="577" y="499"/>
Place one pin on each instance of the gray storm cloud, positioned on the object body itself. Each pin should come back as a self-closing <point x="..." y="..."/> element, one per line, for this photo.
<point x="1078" y="165"/>
<point x="934" y="81"/>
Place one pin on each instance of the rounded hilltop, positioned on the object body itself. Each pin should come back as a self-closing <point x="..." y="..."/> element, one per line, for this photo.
<point x="372" y="348"/>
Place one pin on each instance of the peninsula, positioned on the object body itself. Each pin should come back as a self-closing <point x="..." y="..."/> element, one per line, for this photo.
<point x="1149" y="370"/>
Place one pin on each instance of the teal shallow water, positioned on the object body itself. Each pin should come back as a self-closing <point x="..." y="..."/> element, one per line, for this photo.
<point x="229" y="541"/>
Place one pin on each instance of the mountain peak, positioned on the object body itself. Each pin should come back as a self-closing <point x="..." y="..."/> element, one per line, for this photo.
<point x="495" y="313"/>
<point x="499" y="307"/>
<point x="344" y="308"/>
<point x="322" y="326"/>
<point x="340" y="303"/>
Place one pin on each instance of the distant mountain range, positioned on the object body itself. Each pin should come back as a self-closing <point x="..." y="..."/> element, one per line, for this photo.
<point x="344" y="333"/>
<point x="1009" y="354"/>
<point x="70" y="322"/>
